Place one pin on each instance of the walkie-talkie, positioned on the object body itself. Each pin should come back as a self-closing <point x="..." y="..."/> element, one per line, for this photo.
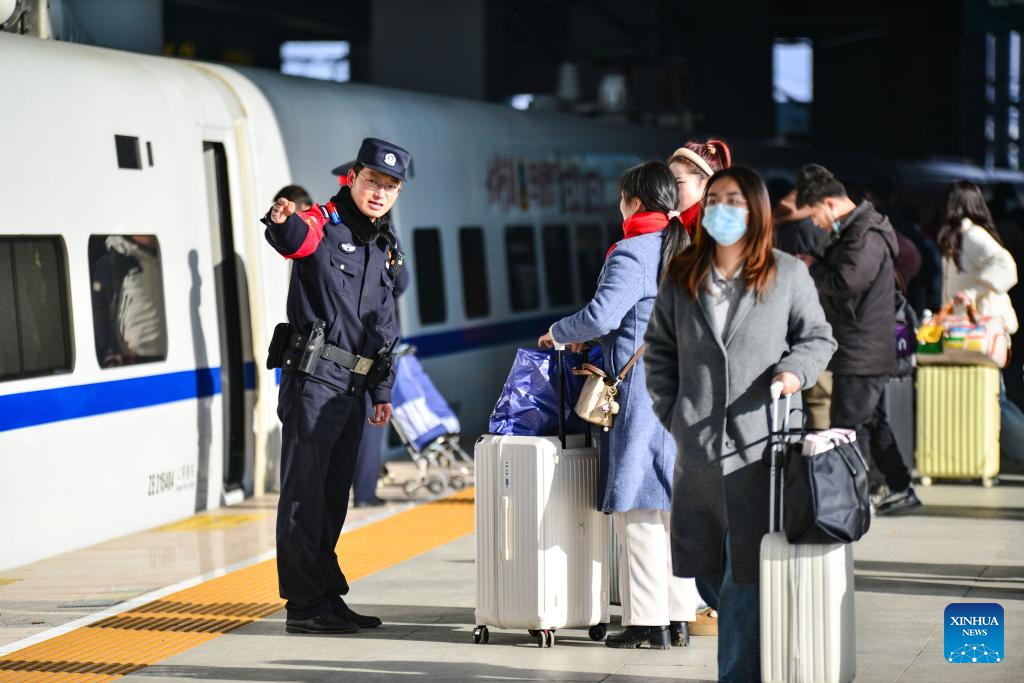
<point x="314" y="347"/>
<point x="382" y="364"/>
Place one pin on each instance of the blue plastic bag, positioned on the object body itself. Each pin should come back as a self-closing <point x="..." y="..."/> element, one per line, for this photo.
<point x="528" y="405"/>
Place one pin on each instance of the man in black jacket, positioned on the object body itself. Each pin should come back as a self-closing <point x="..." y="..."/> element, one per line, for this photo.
<point x="856" y="284"/>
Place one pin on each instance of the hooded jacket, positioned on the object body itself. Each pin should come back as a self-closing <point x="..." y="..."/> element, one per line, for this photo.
<point x="856" y="284"/>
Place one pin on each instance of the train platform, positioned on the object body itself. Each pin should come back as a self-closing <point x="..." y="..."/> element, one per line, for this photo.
<point x="198" y="600"/>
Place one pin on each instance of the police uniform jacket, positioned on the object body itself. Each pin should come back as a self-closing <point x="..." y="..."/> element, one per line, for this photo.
<point x="343" y="282"/>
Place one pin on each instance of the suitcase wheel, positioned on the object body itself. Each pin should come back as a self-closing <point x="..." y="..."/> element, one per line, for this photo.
<point x="435" y="486"/>
<point x="544" y="638"/>
<point x="457" y="483"/>
<point x="481" y="635"/>
<point x="598" y="632"/>
<point x="989" y="482"/>
<point x="926" y="481"/>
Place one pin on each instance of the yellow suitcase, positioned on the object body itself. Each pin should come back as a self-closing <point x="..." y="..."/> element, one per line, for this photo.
<point x="958" y="422"/>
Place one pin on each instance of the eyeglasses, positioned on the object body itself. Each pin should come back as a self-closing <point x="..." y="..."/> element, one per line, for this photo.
<point x="378" y="186"/>
<point x="730" y="200"/>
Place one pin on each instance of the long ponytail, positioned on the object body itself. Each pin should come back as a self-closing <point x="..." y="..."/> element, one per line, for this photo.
<point x="674" y="239"/>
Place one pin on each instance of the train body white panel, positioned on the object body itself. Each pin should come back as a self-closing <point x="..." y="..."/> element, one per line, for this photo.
<point x="96" y="478"/>
<point x="73" y="100"/>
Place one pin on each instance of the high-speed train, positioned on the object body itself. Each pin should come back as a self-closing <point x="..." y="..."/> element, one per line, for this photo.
<point x="137" y="293"/>
<point x="138" y="296"/>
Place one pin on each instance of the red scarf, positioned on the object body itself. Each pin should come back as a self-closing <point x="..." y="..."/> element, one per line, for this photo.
<point x="643" y="223"/>
<point x="689" y="218"/>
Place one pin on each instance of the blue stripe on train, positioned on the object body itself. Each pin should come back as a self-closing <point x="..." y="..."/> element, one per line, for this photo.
<point x="469" y="338"/>
<point x="66" y="403"/>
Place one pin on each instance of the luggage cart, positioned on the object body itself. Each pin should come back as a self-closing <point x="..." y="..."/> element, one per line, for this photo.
<point x="428" y="428"/>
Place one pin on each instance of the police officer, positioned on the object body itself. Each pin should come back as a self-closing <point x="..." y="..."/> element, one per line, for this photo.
<point x="368" y="464"/>
<point x="341" y="326"/>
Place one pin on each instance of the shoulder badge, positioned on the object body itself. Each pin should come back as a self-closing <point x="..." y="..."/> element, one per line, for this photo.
<point x="348" y="248"/>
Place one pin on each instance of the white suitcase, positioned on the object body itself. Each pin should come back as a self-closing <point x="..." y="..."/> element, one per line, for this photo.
<point x="614" y="563"/>
<point x="807" y="608"/>
<point x="541" y="543"/>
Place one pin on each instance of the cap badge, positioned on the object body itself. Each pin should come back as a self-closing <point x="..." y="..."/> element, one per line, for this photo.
<point x="348" y="248"/>
<point x="390" y="159"/>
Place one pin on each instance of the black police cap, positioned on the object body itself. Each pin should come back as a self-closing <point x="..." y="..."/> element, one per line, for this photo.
<point x="384" y="157"/>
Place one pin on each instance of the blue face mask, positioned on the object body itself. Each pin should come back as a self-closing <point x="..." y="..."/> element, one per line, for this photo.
<point x="726" y="224"/>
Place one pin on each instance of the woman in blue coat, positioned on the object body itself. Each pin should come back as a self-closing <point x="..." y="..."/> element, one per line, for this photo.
<point x="639" y="459"/>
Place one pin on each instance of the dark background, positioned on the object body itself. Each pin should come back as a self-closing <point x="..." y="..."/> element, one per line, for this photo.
<point x="892" y="78"/>
<point x="910" y="79"/>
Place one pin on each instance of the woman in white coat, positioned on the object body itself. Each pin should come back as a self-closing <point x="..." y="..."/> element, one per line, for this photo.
<point x="977" y="268"/>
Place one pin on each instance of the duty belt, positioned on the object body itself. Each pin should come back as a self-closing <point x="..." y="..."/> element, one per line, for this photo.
<point x="350" y="361"/>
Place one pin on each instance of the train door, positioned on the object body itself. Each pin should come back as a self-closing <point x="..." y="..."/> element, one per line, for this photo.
<point x="230" y="284"/>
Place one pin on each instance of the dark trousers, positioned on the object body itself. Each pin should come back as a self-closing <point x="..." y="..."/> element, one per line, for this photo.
<point x="739" y="622"/>
<point x="368" y="462"/>
<point x="320" y="433"/>
<point x="858" y="403"/>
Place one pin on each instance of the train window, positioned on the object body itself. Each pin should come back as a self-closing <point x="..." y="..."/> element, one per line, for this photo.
<point x="33" y="307"/>
<point x="474" y="272"/>
<point x="429" y="272"/>
<point x="128" y="321"/>
<point x="557" y="266"/>
<point x="127" y="151"/>
<point x="591" y="248"/>
<point x="521" y="255"/>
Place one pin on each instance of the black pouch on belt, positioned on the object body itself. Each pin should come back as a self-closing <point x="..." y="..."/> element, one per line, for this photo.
<point x="314" y="347"/>
<point x="382" y="364"/>
<point x="278" y="343"/>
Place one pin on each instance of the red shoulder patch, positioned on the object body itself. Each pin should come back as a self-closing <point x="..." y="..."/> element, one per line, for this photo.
<point x="314" y="220"/>
<point x="313" y="217"/>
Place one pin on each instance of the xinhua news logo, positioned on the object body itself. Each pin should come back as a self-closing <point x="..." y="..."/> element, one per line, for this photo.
<point x="974" y="633"/>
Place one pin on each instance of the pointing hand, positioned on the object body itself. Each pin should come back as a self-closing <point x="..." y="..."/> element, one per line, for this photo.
<point x="281" y="209"/>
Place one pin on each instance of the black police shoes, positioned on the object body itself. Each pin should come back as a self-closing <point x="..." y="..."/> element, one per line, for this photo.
<point x="680" y="633"/>
<point x="654" y="637"/>
<point x="324" y="624"/>
<point x="345" y="612"/>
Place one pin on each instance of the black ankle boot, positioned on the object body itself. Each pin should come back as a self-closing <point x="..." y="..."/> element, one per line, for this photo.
<point x="680" y="633"/>
<point x="654" y="637"/>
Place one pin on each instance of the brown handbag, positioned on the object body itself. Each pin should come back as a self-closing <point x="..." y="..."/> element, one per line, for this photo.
<point x="597" y="403"/>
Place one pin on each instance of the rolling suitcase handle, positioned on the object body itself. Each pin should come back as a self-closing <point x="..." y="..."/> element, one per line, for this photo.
<point x="776" y="446"/>
<point x="562" y="406"/>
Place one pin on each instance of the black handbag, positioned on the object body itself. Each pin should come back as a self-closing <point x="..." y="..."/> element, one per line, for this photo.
<point x="827" y="495"/>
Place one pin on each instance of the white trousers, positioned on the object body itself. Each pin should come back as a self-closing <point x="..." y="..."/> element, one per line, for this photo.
<point x="650" y="594"/>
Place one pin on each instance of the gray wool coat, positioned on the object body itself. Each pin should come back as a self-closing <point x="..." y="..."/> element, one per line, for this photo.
<point x="714" y="396"/>
<point x="639" y="455"/>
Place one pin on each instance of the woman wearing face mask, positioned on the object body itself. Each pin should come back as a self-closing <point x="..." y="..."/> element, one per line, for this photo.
<point x="731" y="317"/>
<point x="692" y="165"/>
<point x="639" y="457"/>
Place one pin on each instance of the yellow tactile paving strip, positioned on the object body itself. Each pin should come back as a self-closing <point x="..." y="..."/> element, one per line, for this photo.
<point x="119" y="645"/>
<point x="209" y="522"/>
